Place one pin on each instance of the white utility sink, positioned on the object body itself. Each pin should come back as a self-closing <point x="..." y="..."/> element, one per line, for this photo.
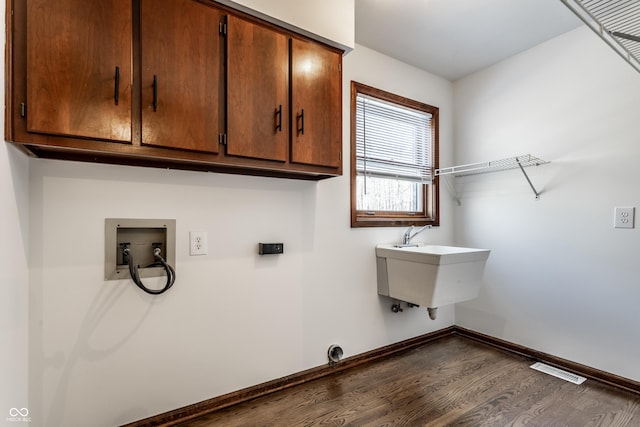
<point x="430" y="275"/>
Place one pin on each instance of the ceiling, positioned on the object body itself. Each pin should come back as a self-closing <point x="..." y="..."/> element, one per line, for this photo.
<point x="454" y="38"/>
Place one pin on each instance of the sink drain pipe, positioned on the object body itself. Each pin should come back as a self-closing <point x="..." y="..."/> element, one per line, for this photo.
<point x="397" y="308"/>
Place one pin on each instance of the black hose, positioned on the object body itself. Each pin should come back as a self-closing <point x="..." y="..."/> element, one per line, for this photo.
<point x="135" y="276"/>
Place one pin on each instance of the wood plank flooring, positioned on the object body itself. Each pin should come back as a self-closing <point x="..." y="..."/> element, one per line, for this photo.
<point x="454" y="381"/>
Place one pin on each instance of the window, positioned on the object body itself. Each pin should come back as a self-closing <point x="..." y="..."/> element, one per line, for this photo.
<point x="394" y="152"/>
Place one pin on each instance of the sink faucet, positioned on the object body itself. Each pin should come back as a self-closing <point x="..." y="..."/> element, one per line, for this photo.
<point x="410" y="234"/>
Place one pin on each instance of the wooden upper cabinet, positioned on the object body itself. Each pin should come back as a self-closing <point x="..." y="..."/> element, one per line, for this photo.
<point x="316" y="93"/>
<point x="188" y="84"/>
<point x="182" y="82"/>
<point x="258" y="91"/>
<point x="79" y="68"/>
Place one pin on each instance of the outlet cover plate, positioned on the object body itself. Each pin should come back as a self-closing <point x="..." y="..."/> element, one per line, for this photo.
<point x="624" y="217"/>
<point x="198" y="243"/>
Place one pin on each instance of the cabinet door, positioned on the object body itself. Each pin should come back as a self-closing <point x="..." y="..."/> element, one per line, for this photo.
<point x="79" y="68"/>
<point x="181" y="74"/>
<point x="258" y="91"/>
<point x="316" y="92"/>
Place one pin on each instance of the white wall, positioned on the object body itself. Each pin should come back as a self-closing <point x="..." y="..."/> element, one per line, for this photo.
<point x="104" y="353"/>
<point x="328" y="20"/>
<point x="14" y="229"/>
<point x="560" y="278"/>
<point x="14" y="220"/>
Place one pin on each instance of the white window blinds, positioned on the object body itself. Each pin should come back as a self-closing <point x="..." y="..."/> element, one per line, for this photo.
<point x="392" y="141"/>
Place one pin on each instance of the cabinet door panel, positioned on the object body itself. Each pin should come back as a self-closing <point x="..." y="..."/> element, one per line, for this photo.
<point x="73" y="49"/>
<point x="181" y="52"/>
<point x="258" y="91"/>
<point x="317" y="104"/>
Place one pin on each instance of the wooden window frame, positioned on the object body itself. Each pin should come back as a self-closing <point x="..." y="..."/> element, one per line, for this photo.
<point x="430" y="212"/>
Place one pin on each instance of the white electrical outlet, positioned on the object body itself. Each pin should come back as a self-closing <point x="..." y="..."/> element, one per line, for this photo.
<point x="623" y="217"/>
<point x="198" y="243"/>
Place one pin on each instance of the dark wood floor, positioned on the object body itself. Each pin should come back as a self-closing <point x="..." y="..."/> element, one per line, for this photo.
<point x="453" y="381"/>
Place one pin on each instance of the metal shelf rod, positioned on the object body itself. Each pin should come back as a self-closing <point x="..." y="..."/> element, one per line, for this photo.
<point x="528" y="180"/>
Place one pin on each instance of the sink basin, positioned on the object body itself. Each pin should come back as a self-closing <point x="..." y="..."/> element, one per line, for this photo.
<point x="430" y="275"/>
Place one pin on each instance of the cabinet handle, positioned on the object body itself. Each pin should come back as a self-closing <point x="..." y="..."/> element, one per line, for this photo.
<point x="301" y="119"/>
<point x="155" y="93"/>
<point x="278" y="118"/>
<point x="116" y="91"/>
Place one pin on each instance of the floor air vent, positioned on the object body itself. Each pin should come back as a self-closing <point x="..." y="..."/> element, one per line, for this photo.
<point x="558" y="373"/>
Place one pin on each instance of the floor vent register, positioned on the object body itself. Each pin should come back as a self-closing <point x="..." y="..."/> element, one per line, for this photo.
<point x="558" y="373"/>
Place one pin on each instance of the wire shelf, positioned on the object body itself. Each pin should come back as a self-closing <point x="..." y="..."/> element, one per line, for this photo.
<point x="516" y="162"/>
<point x="616" y="22"/>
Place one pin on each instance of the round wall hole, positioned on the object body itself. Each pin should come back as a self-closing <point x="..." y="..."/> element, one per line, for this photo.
<point x="335" y="353"/>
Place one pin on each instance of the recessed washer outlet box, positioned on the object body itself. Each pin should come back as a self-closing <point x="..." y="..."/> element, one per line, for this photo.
<point x="141" y="236"/>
